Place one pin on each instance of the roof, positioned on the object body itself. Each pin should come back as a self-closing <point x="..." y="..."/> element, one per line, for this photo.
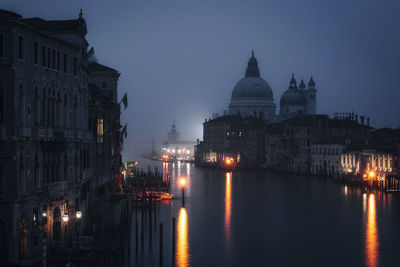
<point x="7" y="14"/>
<point x="72" y="25"/>
<point x="94" y="66"/>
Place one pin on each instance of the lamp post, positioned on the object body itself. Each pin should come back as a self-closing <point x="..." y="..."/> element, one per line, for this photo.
<point x="182" y="182"/>
<point x="371" y="175"/>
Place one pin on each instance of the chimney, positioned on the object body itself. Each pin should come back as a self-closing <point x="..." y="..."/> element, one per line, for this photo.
<point x="362" y="119"/>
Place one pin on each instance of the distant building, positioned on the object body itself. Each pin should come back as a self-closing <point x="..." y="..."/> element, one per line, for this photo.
<point x="241" y="140"/>
<point x="176" y="148"/>
<point x="289" y="143"/>
<point x="253" y="96"/>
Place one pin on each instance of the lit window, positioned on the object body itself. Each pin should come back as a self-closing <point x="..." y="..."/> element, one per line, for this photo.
<point x="100" y="130"/>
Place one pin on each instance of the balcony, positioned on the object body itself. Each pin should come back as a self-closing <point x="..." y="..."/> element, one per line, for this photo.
<point x="56" y="188"/>
<point x="40" y="132"/>
<point x="25" y="131"/>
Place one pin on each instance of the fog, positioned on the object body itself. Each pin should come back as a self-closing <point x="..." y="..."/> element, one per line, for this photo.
<point x="179" y="60"/>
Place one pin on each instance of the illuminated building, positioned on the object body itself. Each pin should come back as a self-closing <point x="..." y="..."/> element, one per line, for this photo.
<point x="176" y="148"/>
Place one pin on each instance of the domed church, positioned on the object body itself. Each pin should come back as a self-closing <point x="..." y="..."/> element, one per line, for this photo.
<point x="252" y="96"/>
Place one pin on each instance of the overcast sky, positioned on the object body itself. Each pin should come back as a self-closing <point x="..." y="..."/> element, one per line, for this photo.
<point x="179" y="60"/>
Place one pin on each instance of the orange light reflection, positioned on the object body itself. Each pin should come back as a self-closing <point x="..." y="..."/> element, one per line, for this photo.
<point x="228" y="205"/>
<point x="182" y="246"/>
<point x="371" y="234"/>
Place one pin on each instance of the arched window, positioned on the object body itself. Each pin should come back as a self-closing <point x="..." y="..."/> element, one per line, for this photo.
<point x="23" y="238"/>
<point x="44" y="101"/>
<point x="75" y="112"/>
<point x="36" y="180"/>
<point x="21" y="104"/>
<point x="65" y="111"/>
<point x="21" y="174"/>
<point x="58" y="109"/>
<point x="36" y="106"/>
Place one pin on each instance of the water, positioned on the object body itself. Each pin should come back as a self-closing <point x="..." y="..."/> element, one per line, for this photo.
<point x="264" y="218"/>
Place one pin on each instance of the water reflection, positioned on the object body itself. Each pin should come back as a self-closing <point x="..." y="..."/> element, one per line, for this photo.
<point x="228" y="204"/>
<point x="182" y="246"/>
<point x="371" y="234"/>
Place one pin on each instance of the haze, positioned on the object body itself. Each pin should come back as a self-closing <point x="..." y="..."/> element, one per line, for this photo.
<point x="179" y="60"/>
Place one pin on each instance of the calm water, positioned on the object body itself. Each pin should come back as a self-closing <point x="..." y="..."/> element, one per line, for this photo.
<point x="268" y="219"/>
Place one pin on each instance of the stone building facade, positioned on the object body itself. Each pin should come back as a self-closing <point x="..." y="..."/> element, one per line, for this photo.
<point x="46" y="167"/>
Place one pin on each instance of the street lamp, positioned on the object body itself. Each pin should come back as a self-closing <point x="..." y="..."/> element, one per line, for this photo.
<point x="79" y="214"/>
<point x="65" y="217"/>
<point x="182" y="182"/>
<point x="371" y="175"/>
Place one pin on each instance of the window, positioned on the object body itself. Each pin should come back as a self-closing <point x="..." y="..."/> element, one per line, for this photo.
<point x="75" y="66"/>
<point x="35" y="53"/>
<point x="104" y="84"/>
<point x="100" y="130"/>
<point x="58" y="61"/>
<point x="44" y="58"/>
<point x="48" y="57"/>
<point x="65" y="69"/>
<point x="54" y="59"/>
<point x="20" y="47"/>
<point x="2" y="45"/>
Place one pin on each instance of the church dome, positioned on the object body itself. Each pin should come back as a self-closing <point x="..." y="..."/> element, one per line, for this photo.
<point x="293" y="96"/>
<point x="252" y="87"/>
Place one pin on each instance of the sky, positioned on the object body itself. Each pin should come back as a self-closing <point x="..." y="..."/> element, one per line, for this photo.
<point x="180" y="59"/>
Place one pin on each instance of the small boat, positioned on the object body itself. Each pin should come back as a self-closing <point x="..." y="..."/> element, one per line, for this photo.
<point x="159" y="196"/>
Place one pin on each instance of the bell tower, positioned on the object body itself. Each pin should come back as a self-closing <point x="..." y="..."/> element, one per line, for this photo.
<point x="311" y="97"/>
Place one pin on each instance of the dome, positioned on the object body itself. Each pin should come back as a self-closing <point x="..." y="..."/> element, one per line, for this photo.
<point x="293" y="97"/>
<point x="252" y="87"/>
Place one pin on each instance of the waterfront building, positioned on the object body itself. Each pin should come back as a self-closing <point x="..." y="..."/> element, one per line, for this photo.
<point x="178" y="149"/>
<point x="240" y="140"/>
<point x="289" y="143"/>
<point x="47" y="167"/>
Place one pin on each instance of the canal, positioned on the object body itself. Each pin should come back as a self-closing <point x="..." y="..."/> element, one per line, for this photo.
<point x="266" y="219"/>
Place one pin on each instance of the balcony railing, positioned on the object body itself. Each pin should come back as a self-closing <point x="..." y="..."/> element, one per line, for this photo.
<point x="25" y="131"/>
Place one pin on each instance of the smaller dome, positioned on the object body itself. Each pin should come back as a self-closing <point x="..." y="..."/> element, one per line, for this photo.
<point x="293" y="97"/>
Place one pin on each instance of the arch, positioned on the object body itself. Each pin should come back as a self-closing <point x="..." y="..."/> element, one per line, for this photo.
<point x="56" y="224"/>
<point x="23" y="238"/>
<point x="3" y="242"/>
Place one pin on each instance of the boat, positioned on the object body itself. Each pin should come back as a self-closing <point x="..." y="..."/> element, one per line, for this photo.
<point x="160" y="196"/>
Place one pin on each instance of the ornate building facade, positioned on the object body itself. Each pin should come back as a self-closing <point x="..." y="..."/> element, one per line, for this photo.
<point x="47" y="162"/>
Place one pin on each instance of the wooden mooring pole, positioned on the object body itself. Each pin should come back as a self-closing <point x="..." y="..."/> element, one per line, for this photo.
<point x="161" y="244"/>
